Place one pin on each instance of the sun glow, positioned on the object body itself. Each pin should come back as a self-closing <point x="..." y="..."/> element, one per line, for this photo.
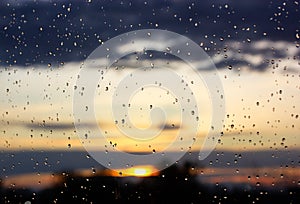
<point x="138" y="171"/>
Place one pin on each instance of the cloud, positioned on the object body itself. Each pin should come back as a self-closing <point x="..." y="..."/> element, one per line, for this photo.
<point x="257" y="55"/>
<point x="74" y="34"/>
<point x="169" y="127"/>
<point x="51" y="126"/>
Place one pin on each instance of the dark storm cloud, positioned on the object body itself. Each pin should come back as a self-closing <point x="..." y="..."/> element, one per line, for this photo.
<point x="56" y="32"/>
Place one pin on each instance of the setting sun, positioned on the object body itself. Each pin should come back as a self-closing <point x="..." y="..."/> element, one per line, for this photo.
<point x="138" y="171"/>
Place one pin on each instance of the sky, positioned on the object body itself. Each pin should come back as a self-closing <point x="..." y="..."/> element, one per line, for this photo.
<point x="260" y="106"/>
<point x="45" y="45"/>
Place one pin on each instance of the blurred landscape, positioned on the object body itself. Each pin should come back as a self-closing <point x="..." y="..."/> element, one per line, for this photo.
<point x="225" y="177"/>
<point x="178" y="183"/>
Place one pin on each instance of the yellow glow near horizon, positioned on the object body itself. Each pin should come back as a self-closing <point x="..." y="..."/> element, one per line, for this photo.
<point x="138" y="171"/>
<point x="261" y="110"/>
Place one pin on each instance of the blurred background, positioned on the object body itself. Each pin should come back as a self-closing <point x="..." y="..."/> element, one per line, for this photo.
<point x="255" y="47"/>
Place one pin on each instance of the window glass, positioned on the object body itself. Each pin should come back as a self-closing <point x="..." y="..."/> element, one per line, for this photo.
<point x="149" y="101"/>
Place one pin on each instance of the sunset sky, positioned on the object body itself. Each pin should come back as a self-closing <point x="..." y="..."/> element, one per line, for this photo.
<point x="261" y="106"/>
<point x="53" y="114"/>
